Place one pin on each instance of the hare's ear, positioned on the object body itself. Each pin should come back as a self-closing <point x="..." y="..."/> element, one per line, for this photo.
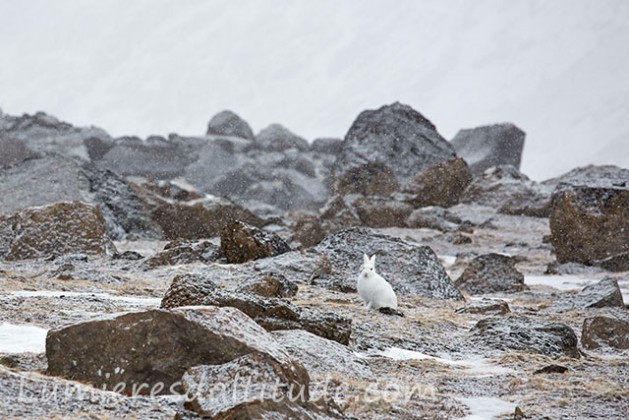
<point x="365" y="259"/>
<point x="373" y="259"/>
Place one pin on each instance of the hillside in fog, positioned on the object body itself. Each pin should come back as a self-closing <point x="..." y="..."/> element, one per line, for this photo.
<point x="555" y="69"/>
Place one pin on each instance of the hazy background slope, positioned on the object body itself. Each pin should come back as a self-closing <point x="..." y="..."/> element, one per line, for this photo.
<point x="558" y="69"/>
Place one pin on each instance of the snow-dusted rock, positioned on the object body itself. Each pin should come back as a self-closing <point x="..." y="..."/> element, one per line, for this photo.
<point x="241" y="242"/>
<point x="228" y="123"/>
<point x="589" y="220"/>
<point x="491" y="273"/>
<point x="54" y="230"/>
<point x="394" y="135"/>
<point x="492" y="145"/>
<point x="517" y="332"/>
<point x="155" y="347"/>
<point x="411" y="269"/>
<point x="608" y="329"/>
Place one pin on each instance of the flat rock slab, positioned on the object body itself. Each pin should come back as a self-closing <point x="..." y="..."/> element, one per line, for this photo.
<point x="528" y="335"/>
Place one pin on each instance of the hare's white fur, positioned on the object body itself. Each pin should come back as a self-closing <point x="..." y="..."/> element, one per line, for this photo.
<point x="373" y="288"/>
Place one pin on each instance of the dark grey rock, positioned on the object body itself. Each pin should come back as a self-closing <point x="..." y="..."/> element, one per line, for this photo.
<point x="278" y="138"/>
<point x="228" y="123"/>
<point x="124" y="211"/>
<point x="491" y="273"/>
<point x="551" y="369"/>
<point x="589" y="220"/>
<point x="605" y="293"/>
<point x="396" y="136"/>
<point x="42" y="133"/>
<point x="525" y="334"/>
<point x="330" y="146"/>
<point x="492" y="145"/>
<point x="54" y="178"/>
<point x="410" y="269"/>
<point x="13" y="152"/>
<point x="509" y="191"/>
<point x="159" y="159"/>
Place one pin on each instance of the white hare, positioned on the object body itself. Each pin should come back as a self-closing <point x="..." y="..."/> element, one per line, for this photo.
<point x="373" y="288"/>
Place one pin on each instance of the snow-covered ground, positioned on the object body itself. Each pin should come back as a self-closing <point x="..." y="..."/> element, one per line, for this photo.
<point x="22" y="338"/>
<point x="555" y="68"/>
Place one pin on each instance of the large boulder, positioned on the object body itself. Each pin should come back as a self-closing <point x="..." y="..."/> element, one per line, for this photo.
<point x="155" y="158"/>
<point x="509" y="191"/>
<point x="13" y="152"/>
<point x="589" y="220"/>
<point x="228" y="123"/>
<point x="411" y="269"/>
<point x="283" y="180"/>
<point x="54" y="230"/>
<point x="610" y="329"/>
<point x="441" y="185"/>
<point x="39" y="182"/>
<point x="278" y="138"/>
<point x="491" y="145"/>
<point x="42" y="133"/>
<point x="53" y="179"/>
<point x="517" y="332"/>
<point x="152" y="350"/>
<point x="491" y="273"/>
<point x="241" y="243"/>
<point x="124" y="211"/>
<point x="396" y="136"/>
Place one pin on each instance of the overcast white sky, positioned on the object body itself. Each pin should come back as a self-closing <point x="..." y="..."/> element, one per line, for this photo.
<point x="557" y="69"/>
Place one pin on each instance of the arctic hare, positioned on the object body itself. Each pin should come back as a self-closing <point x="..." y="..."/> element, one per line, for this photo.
<point x="373" y="288"/>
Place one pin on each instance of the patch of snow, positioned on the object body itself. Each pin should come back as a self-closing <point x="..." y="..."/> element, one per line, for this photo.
<point x="447" y="260"/>
<point x="483" y="408"/>
<point x="574" y="282"/>
<point x="561" y="282"/>
<point x="22" y="338"/>
<point x="136" y="300"/>
<point x="477" y="367"/>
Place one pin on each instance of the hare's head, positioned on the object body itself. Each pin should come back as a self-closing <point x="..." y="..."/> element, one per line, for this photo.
<point x="369" y="264"/>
